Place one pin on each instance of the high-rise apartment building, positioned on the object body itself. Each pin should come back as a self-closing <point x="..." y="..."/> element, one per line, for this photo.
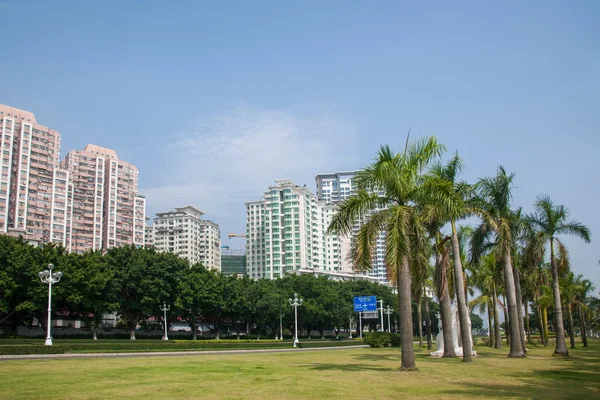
<point x="184" y="232"/>
<point x="89" y="201"/>
<point x="107" y="210"/>
<point x="33" y="190"/>
<point x="285" y="233"/>
<point x="336" y="187"/>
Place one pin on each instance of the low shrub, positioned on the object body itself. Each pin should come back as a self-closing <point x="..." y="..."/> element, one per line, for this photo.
<point x="382" y="339"/>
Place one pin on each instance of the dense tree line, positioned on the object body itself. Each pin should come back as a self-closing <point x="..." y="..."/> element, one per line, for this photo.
<point x="134" y="282"/>
<point x="418" y="200"/>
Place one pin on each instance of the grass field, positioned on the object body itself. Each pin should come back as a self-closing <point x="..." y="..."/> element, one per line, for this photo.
<point x="341" y="374"/>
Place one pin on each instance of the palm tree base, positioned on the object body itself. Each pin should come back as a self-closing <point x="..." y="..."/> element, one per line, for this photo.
<point x="556" y="354"/>
<point x="516" y="355"/>
<point x="408" y="369"/>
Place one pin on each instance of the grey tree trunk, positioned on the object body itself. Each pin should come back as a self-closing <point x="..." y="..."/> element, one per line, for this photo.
<point x="541" y="323"/>
<point x="428" y="324"/>
<point x="520" y="307"/>
<point x="444" y="297"/>
<point x="527" y="325"/>
<point x="420" y="318"/>
<point x="559" y="330"/>
<point x="194" y="329"/>
<point x="463" y="311"/>
<point x="132" y="333"/>
<point x="506" y="321"/>
<point x="497" y="334"/>
<point x="582" y="327"/>
<point x="571" y="327"/>
<point x="516" y="349"/>
<point x="490" y="328"/>
<point x="405" y="315"/>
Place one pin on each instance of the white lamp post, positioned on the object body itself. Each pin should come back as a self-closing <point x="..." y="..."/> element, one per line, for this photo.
<point x="164" y="309"/>
<point x="388" y="311"/>
<point x="47" y="276"/>
<point x="295" y="303"/>
<point x="381" y="314"/>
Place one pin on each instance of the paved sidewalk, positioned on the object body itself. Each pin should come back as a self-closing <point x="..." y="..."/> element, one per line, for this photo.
<point x="167" y="353"/>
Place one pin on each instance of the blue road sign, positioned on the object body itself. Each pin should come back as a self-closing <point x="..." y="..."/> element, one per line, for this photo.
<point x="365" y="303"/>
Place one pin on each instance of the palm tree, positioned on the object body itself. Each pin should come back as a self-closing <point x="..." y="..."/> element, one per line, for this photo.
<point x="552" y="220"/>
<point x="449" y="195"/>
<point x="584" y="289"/>
<point x="485" y="277"/>
<point x="387" y="193"/>
<point x="492" y="205"/>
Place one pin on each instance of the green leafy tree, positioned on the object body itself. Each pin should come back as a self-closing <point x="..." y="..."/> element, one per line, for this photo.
<point x="492" y="205"/>
<point x="450" y="195"/>
<point x="552" y="220"/>
<point x="388" y="191"/>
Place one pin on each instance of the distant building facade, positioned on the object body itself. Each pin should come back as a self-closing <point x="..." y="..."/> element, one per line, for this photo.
<point x="336" y="187"/>
<point x="185" y="233"/>
<point x="33" y="189"/>
<point x="107" y="209"/>
<point x="286" y="233"/>
<point x="89" y="201"/>
<point x="233" y="262"/>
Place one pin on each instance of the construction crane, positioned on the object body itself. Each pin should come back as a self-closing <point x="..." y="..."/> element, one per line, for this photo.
<point x="237" y="235"/>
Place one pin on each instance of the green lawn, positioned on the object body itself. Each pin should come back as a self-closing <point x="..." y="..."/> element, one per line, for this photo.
<point x="340" y="374"/>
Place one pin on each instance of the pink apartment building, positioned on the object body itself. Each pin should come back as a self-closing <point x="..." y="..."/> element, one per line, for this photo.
<point x="33" y="190"/>
<point x="107" y="210"/>
<point x="89" y="201"/>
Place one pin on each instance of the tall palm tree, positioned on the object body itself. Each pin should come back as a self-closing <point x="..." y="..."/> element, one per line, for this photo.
<point x="387" y="193"/>
<point x="486" y="276"/>
<point x="449" y="195"/>
<point x="551" y="220"/>
<point x="492" y="205"/>
<point x="584" y="289"/>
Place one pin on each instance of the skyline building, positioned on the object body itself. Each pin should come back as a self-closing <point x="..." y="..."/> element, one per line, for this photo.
<point x="333" y="188"/>
<point x="33" y="189"/>
<point x="285" y="233"/>
<point x="87" y="201"/>
<point x="185" y="233"/>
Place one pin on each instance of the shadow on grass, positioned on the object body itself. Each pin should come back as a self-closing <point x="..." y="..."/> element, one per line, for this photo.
<point x="346" y="367"/>
<point x="378" y="357"/>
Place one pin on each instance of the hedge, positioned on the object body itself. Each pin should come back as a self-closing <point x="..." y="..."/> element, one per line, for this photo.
<point x="382" y="339"/>
<point x="160" y="346"/>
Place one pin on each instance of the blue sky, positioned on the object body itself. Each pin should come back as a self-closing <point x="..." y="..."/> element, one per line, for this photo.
<point x="213" y="100"/>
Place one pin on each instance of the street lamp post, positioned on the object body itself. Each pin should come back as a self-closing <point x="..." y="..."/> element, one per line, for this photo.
<point x="49" y="277"/>
<point x="295" y="303"/>
<point x="164" y="309"/>
<point x="281" y="326"/>
<point x="388" y="311"/>
<point x="381" y="314"/>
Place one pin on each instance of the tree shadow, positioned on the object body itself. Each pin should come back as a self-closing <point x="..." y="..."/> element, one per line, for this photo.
<point x="346" y="367"/>
<point x="378" y="357"/>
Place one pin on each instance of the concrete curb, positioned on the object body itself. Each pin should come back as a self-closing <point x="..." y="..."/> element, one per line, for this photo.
<point x="167" y="353"/>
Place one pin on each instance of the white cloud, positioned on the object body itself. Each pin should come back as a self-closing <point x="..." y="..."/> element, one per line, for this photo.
<point x="230" y="157"/>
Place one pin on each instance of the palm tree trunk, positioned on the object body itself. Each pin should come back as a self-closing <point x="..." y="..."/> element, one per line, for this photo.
<point x="444" y="297"/>
<point x="405" y="315"/>
<point x="427" y="323"/>
<point x="490" y="329"/>
<point x="506" y="321"/>
<point x="559" y="331"/>
<point x="541" y="324"/>
<point x="545" y="320"/>
<point x="582" y="327"/>
<point x="463" y="311"/>
<point x="571" y="328"/>
<point x="516" y="349"/>
<point x="497" y="334"/>
<point x="420" y="318"/>
<point x="520" y="307"/>
<point x="527" y="325"/>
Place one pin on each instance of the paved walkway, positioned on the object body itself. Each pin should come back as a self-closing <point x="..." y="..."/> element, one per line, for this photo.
<point x="167" y="353"/>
